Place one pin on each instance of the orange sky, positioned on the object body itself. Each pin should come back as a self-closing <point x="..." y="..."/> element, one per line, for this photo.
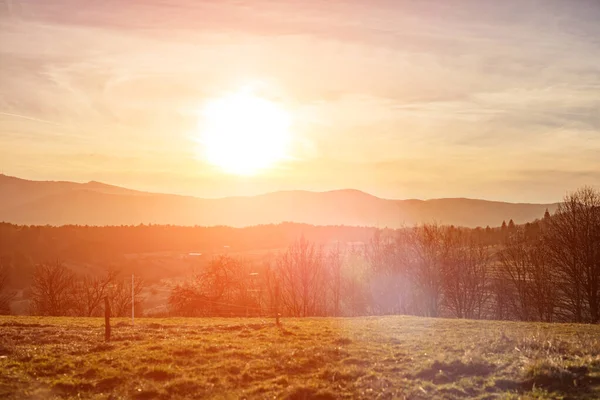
<point x="401" y="99"/>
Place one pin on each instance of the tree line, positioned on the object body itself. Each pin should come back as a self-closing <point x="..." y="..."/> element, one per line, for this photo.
<point x="57" y="291"/>
<point x="548" y="270"/>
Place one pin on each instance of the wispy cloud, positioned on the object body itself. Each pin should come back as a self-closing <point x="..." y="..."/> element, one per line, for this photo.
<point x="403" y="94"/>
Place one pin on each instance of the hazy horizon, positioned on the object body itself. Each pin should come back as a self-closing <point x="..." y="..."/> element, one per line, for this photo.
<point x="402" y="100"/>
<point x="276" y="191"/>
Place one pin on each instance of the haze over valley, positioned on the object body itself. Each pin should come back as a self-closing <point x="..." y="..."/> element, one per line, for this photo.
<point x="94" y="203"/>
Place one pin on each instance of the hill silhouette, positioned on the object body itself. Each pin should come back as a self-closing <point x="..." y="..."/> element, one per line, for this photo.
<point x="95" y="203"/>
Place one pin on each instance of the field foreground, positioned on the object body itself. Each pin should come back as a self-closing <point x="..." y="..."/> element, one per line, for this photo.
<point x="374" y="357"/>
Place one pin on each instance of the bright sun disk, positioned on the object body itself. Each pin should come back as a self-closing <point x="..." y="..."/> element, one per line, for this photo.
<point x="243" y="133"/>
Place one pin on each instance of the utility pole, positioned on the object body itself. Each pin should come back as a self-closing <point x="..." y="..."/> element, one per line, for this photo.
<point x="277" y="303"/>
<point x="132" y="302"/>
<point x="254" y="297"/>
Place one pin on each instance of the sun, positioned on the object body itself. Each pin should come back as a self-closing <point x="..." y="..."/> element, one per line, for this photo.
<point x="243" y="133"/>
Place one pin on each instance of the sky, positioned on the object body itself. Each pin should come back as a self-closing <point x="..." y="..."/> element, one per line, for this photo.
<point x="401" y="99"/>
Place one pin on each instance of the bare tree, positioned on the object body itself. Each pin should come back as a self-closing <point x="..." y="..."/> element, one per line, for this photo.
<point x="428" y="267"/>
<point x="272" y="287"/>
<point x="221" y="288"/>
<point x="89" y="293"/>
<point x="392" y="282"/>
<point x="572" y="237"/>
<point x="465" y="273"/>
<point x="500" y="293"/>
<point x="357" y="298"/>
<point x="119" y="295"/>
<point x="6" y="295"/>
<point x="543" y="290"/>
<point x="335" y="261"/>
<point x="300" y="271"/>
<point x="186" y="300"/>
<point x="528" y="277"/>
<point x="52" y="289"/>
<point x="514" y="262"/>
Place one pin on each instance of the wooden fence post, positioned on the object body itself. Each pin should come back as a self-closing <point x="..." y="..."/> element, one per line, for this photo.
<point x="277" y="303"/>
<point x="106" y="319"/>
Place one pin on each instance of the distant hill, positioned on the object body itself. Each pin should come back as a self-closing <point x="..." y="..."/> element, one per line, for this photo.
<point x="94" y="203"/>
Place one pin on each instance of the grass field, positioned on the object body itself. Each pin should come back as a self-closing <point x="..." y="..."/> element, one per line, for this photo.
<point x="375" y="357"/>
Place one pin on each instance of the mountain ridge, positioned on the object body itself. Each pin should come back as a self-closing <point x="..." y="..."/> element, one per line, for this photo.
<point x="95" y="203"/>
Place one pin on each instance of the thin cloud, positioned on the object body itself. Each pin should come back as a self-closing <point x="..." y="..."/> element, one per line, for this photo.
<point x="25" y="117"/>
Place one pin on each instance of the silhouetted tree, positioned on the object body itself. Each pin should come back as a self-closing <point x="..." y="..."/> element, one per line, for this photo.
<point x="89" y="293"/>
<point x="465" y="273"/>
<point x="501" y="296"/>
<point x="503" y="232"/>
<point x="119" y="295"/>
<point x="300" y="271"/>
<point x="543" y="290"/>
<point x="334" y="263"/>
<point x="6" y="295"/>
<point x="218" y="289"/>
<point x="572" y="237"/>
<point x="52" y="290"/>
<point x="526" y="271"/>
<point x="514" y="262"/>
<point x="427" y="267"/>
<point x="389" y="258"/>
<point x="357" y="298"/>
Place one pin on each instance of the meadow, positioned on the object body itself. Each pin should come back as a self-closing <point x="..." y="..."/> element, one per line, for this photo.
<point x="323" y="358"/>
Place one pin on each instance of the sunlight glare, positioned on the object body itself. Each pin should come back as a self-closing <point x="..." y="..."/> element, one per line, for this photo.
<point x="243" y="133"/>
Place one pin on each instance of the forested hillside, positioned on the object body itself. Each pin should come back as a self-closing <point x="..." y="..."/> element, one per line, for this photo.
<point x="545" y="270"/>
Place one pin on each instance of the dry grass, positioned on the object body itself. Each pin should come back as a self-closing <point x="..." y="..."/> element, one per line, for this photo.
<point x="376" y="357"/>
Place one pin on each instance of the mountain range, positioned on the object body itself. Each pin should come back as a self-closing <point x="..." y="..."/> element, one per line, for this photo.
<point x="94" y="203"/>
